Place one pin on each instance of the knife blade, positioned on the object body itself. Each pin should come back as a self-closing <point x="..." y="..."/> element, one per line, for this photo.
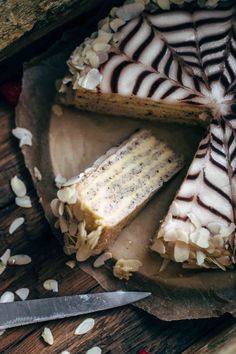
<point x="20" y="313"/>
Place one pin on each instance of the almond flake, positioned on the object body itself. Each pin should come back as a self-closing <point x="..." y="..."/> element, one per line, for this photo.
<point x="159" y="246"/>
<point x="19" y="259"/>
<point x="181" y="252"/>
<point x="59" y="180"/>
<point x="214" y="228"/>
<point x="55" y="203"/>
<point x="8" y="296"/>
<point x="18" y="186"/>
<point x="85" y="326"/>
<point x="116" y="23"/>
<point x="94" y="350"/>
<point x="63" y="224"/>
<point x="227" y="231"/>
<point x="51" y="284"/>
<point x="164" y="4"/>
<point x="71" y="181"/>
<point x="23" y="202"/>
<point x="200" y="257"/>
<point x="65" y="352"/>
<point x="37" y="174"/>
<point x="92" y="79"/>
<point x="71" y="264"/>
<point x="57" y="110"/>
<point x="23" y="293"/>
<point x="15" y="224"/>
<point x="100" y="261"/>
<point x="67" y="195"/>
<point x="47" y="336"/>
<point x="124" y="268"/>
<point x="129" y="11"/>
<point x="200" y="237"/>
<point x="164" y="264"/>
<point x="61" y="208"/>
<point x="170" y="236"/>
<point x="24" y="135"/>
<point x="93" y="237"/>
<point x="5" y="257"/>
<point x="26" y="140"/>
<point x="2" y="331"/>
<point x="194" y="220"/>
<point x="2" y="267"/>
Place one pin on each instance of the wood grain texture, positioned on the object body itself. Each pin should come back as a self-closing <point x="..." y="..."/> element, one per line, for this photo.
<point x="23" y="22"/>
<point x="119" y="331"/>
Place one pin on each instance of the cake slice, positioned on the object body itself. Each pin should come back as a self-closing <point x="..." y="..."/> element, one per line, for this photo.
<point x="199" y="229"/>
<point x="144" y="62"/>
<point x="93" y="208"/>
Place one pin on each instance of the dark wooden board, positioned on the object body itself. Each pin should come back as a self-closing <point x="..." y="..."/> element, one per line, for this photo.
<point x="123" y="331"/>
<point x="23" y="22"/>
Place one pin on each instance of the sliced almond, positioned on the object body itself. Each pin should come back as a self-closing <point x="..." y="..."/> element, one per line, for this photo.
<point x="19" y="259"/>
<point x="94" y="350"/>
<point x="85" y="326"/>
<point x="37" y="174"/>
<point x="130" y="11"/>
<point x="57" y="110"/>
<point x="8" y="296"/>
<point x="24" y="135"/>
<point x="200" y="257"/>
<point x="5" y="257"/>
<point x="60" y="180"/>
<point x="18" y="186"/>
<point x="71" y="264"/>
<point x="47" y="336"/>
<point x="55" y="203"/>
<point x="23" y="202"/>
<point x="181" y="251"/>
<point x="159" y="246"/>
<point x="100" y="261"/>
<point x="124" y="268"/>
<point x="51" y="284"/>
<point x="16" y="224"/>
<point x="23" y="293"/>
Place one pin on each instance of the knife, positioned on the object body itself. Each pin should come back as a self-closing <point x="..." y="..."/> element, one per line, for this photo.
<point x="20" y="313"/>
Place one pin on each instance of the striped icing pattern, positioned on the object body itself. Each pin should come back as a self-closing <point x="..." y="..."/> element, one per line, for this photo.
<point x="121" y="75"/>
<point x="127" y="178"/>
<point x="207" y="196"/>
<point x="192" y="50"/>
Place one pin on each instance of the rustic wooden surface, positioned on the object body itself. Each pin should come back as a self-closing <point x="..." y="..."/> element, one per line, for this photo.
<point x="23" y="22"/>
<point x="120" y="331"/>
<point x="123" y="331"/>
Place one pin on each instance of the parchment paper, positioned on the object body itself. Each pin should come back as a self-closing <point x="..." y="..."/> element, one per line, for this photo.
<point x="69" y="143"/>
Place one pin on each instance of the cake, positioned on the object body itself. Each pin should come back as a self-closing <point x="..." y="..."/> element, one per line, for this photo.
<point x="93" y="208"/>
<point x="173" y="61"/>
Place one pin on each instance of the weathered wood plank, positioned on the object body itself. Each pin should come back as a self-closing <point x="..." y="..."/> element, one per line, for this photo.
<point x="23" y="22"/>
<point x="122" y="331"/>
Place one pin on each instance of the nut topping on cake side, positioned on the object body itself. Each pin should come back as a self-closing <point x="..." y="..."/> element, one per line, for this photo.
<point x="173" y="60"/>
<point x="199" y="228"/>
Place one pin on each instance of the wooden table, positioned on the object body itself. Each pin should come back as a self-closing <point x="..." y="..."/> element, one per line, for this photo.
<point x="120" y="331"/>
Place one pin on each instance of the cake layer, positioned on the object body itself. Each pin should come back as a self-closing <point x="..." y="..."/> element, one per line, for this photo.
<point x="110" y="103"/>
<point x="101" y="201"/>
<point x="199" y="228"/>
